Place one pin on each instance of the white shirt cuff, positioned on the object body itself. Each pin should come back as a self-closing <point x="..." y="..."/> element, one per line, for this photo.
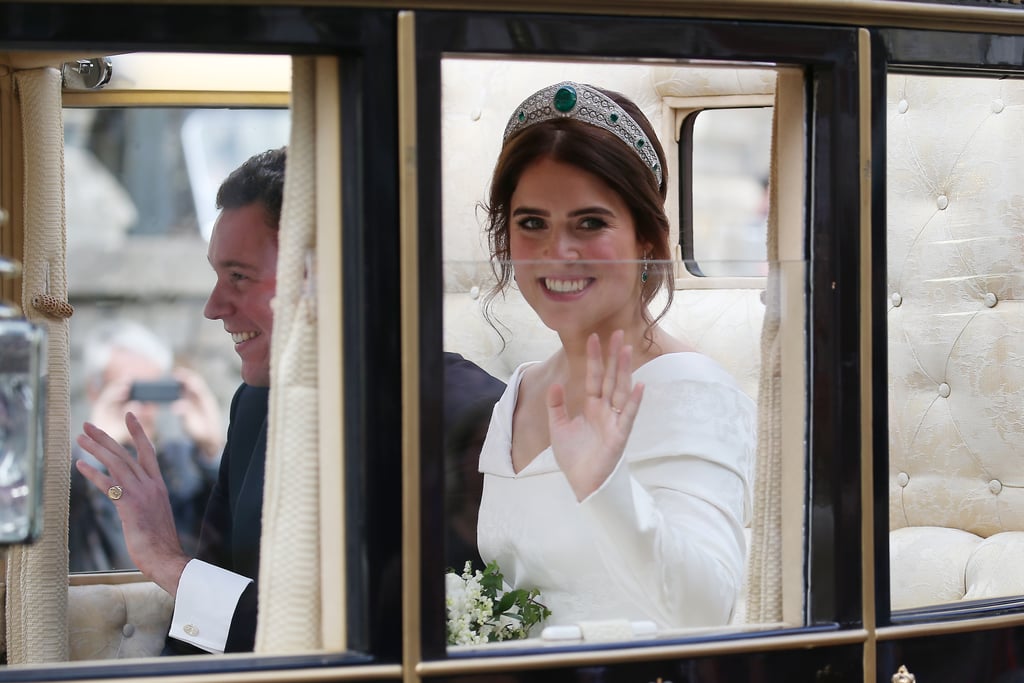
<point x="205" y="603"/>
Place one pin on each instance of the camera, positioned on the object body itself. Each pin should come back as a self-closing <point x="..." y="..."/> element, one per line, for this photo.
<point x="158" y="391"/>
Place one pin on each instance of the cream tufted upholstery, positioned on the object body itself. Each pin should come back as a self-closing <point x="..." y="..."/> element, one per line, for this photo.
<point x="112" y="621"/>
<point x="956" y="338"/>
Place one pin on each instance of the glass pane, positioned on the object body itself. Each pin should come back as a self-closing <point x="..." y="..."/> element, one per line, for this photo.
<point x="730" y="159"/>
<point x="956" y="371"/>
<point x="140" y="206"/>
<point x="571" y="267"/>
<point x="22" y="408"/>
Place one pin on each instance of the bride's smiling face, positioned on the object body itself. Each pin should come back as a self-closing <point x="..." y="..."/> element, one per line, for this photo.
<point x="572" y="240"/>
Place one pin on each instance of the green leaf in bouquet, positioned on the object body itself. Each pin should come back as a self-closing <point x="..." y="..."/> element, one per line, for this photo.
<point x="506" y="602"/>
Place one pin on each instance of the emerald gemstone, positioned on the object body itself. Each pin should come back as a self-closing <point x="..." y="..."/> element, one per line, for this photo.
<point x="639" y="143"/>
<point x="614" y="118"/>
<point x="522" y="116"/>
<point x="565" y="99"/>
<point x="643" y="277"/>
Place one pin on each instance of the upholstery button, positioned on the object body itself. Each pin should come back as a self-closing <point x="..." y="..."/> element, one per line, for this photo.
<point x="991" y="299"/>
<point x="997" y="106"/>
<point x="902" y="478"/>
<point x="127" y="630"/>
<point x="942" y="201"/>
<point x="764" y="297"/>
<point x="475" y="114"/>
<point x="995" y="486"/>
<point x="944" y="390"/>
<point x="902" y="107"/>
<point x="474" y="292"/>
<point x="896" y="298"/>
<point x="191" y="630"/>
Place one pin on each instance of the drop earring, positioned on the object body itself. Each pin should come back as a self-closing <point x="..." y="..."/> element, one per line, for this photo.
<point x="643" y="273"/>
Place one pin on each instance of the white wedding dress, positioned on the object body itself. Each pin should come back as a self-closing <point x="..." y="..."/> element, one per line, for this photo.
<point x="662" y="538"/>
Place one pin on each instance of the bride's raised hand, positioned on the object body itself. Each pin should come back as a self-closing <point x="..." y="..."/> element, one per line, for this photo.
<point x="588" y="446"/>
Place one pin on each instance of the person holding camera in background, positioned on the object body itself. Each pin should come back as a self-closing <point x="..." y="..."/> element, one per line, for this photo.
<point x="128" y="368"/>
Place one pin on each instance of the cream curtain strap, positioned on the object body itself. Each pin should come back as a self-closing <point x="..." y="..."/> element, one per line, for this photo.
<point x="37" y="575"/>
<point x="764" y="567"/>
<point x="289" y="590"/>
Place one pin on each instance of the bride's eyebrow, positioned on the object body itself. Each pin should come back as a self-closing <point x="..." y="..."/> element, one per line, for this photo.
<point x="591" y="210"/>
<point x="530" y="211"/>
<point x="585" y="211"/>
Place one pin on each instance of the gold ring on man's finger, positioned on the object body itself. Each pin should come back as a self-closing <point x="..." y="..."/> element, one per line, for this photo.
<point x="115" y="492"/>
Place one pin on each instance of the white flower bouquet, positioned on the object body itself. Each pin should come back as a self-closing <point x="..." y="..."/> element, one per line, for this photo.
<point x="482" y="609"/>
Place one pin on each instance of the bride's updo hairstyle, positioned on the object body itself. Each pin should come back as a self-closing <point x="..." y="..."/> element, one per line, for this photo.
<point x="603" y="133"/>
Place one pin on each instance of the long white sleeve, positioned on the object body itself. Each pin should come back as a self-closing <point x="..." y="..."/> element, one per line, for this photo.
<point x="671" y="552"/>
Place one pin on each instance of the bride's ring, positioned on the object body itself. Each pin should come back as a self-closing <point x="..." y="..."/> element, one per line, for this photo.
<point x="115" y="492"/>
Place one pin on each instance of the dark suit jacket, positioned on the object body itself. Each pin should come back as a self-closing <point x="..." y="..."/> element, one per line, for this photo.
<point x="230" y="536"/>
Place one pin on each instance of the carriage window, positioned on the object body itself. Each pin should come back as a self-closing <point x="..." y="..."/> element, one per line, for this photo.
<point x="140" y="207"/>
<point x="510" y="509"/>
<point x="143" y="159"/>
<point x="724" y="213"/>
<point x="955" y="222"/>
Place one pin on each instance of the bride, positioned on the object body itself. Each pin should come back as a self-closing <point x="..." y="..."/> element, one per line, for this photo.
<point x="615" y="471"/>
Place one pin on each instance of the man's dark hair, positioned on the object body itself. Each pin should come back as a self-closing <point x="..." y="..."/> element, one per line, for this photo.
<point x="259" y="179"/>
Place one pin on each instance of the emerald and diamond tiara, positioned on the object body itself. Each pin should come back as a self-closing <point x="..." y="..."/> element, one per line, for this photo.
<point x="583" y="103"/>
